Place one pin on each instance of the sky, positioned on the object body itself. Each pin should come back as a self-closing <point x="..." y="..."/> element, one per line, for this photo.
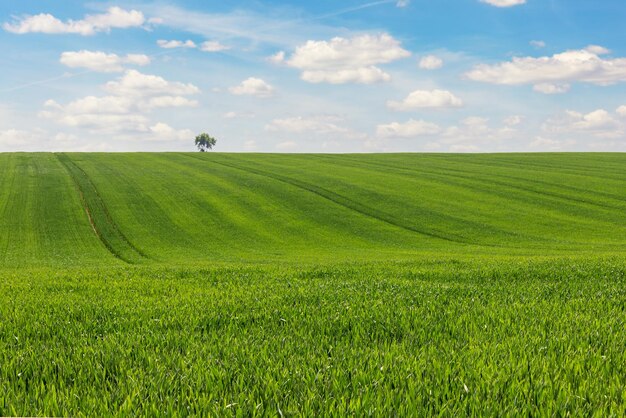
<point x="321" y="76"/>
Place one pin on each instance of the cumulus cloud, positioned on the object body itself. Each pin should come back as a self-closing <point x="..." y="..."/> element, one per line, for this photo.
<point x="238" y="115"/>
<point x="213" y="46"/>
<point x="166" y="101"/>
<point x="250" y="145"/>
<point x="101" y="61"/>
<point x="343" y="60"/>
<point x="176" y="44"/>
<point x="136" y="84"/>
<point x="549" y="144"/>
<point x="460" y="148"/>
<point x="163" y="132"/>
<point x="597" y="130"/>
<point x="430" y="62"/>
<point x="286" y="145"/>
<point x="621" y="111"/>
<point x="586" y="65"/>
<point x="411" y="129"/>
<point x="471" y="134"/>
<point x="420" y="99"/>
<point x="538" y="44"/>
<point x="365" y="75"/>
<point x="207" y="46"/>
<point x="477" y="133"/>
<point x="131" y="97"/>
<point x="599" y="123"/>
<point x="253" y="87"/>
<point x="549" y="88"/>
<point x="514" y="120"/>
<point x="504" y="3"/>
<point x="17" y="137"/>
<point x="326" y="125"/>
<point x="301" y="124"/>
<point x="115" y="17"/>
<point x="38" y="140"/>
<point x="277" y="58"/>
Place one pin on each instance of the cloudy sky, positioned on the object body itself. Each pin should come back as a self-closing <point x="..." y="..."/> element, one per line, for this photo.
<point x="314" y="76"/>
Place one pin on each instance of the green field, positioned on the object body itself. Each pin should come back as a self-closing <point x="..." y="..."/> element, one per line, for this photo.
<point x="260" y="284"/>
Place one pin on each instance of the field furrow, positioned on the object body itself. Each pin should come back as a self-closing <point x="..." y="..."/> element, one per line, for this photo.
<point x="98" y="215"/>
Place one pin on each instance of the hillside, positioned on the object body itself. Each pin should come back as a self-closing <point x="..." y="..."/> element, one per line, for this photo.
<point x="208" y="208"/>
<point x="312" y="285"/>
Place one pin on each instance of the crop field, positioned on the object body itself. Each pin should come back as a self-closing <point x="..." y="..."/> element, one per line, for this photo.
<point x="316" y="285"/>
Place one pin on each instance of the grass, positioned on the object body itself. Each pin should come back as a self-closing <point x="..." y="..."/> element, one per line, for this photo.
<point x="253" y="285"/>
<point x="432" y="338"/>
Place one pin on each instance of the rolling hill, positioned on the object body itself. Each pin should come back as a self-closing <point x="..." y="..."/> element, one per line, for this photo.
<point x="312" y="285"/>
<point x="107" y="209"/>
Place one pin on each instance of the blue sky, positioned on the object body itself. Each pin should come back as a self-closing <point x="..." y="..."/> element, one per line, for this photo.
<point x="324" y="76"/>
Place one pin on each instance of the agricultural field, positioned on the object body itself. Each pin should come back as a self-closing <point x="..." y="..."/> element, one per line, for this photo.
<point x="286" y="285"/>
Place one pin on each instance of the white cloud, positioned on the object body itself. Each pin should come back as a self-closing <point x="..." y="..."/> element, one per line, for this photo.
<point x="238" y="115"/>
<point x="514" y="120"/>
<point x="475" y="124"/>
<point x="476" y="134"/>
<point x="585" y="65"/>
<point x="176" y="44"/>
<point x="253" y="87"/>
<point x="115" y="17"/>
<point x="426" y="99"/>
<point x="137" y="59"/>
<point x="548" y="144"/>
<point x="326" y="125"/>
<point x="106" y="113"/>
<point x="411" y="129"/>
<point x="621" y="111"/>
<point x="207" y="46"/>
<point x="213" y="46"/>
<point x="504" y="3"/>
<point x="163" y="132"/>
<point x="125" y="109"/>
<point x="430" y="62"/>
<point x="403" y="3"/>
<point x="549" y="88"/>
<point x="167" y="101"/>
<point x="599" y="123"/>
<point x="93" y="104"/>
<point x="472" y="134"/>
<point x="343" y="60"/>
<point x="598" y="50"/>
<point x="16" y="137"/>
<point x="609" y="146"/>
<point x="459" y="148"/>
<point x="134" y="83"/>
<point x="538" y="44"/>
<point x="364" y="75"/>
<point x="286" y="145"/>
<point x="598" y="130"/>
<point x="38" y="140"/>
<point x="101" y="61"/>
<point x="277" y="58"/>
<point x="250" y="145"/>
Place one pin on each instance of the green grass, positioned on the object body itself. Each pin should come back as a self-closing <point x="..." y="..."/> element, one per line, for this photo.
<point x="230" y="284"/>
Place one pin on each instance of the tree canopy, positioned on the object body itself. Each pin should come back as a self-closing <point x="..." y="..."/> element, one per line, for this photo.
<point x="205" y="142"/>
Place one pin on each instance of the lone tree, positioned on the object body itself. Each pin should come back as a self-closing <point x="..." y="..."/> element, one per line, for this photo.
<point x="205" y="142"/>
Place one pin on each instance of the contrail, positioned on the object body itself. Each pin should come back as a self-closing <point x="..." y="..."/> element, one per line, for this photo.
<point x="177" y="50"/>
<point x="48" y="80"/>
<point x="353" y="9"/>
<point x="321" y="17"/>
